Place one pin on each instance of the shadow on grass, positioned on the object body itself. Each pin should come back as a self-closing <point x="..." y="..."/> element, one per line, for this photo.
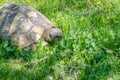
<point x="22" y="65"/>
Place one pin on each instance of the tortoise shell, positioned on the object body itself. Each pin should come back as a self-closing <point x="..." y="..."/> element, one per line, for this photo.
<point x="24" y="26"/>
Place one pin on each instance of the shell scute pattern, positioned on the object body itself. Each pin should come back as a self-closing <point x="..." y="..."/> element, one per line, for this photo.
<point x="21" y="25"/>
<point x="6" y="19"/>
<point x="17" y="22"/>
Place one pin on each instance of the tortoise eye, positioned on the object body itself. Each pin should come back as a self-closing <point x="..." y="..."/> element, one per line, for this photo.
<point x="58" y="36"/>
<point x="53" y="26"/>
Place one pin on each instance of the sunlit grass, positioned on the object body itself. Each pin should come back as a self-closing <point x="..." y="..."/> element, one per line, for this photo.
<point x="89" y="50"/>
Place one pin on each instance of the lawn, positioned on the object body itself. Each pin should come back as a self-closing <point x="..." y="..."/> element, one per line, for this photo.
<point x="89" y="50"/>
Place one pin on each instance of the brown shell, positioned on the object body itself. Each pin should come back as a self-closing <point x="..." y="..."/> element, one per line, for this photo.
<point x="22" y="24"/>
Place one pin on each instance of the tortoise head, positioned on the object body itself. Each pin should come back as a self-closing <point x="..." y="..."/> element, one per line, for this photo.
<point x="52" y="34"/>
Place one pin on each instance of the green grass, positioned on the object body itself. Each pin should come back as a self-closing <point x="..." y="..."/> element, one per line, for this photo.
<point x="89" y="50"/>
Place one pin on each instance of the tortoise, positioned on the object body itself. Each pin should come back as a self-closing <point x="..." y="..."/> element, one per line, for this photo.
<point x="24" y="26"/>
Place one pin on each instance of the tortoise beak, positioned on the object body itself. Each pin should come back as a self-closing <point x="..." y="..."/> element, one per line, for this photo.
<point x="53" y="34"/>
<point x="56" y="34"/>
